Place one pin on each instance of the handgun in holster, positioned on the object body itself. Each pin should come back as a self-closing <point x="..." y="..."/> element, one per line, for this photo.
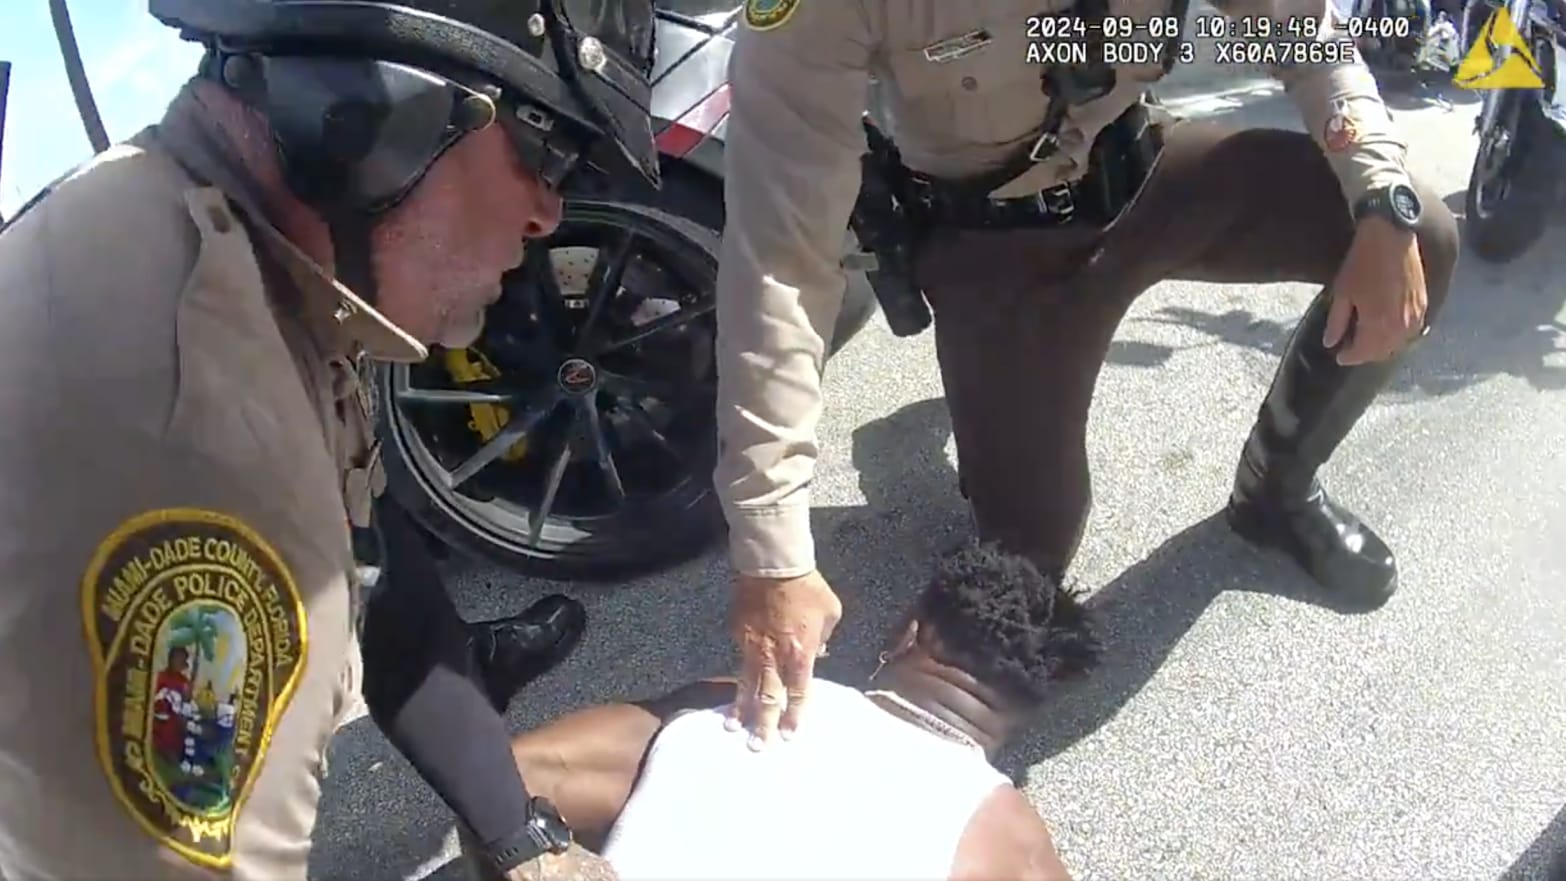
<point x="1121" y="158"/>
<point x="885" y="227"/>
<point x="1124" y="152"/>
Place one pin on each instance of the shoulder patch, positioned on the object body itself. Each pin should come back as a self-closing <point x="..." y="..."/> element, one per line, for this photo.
<point x="765" y="15"/>
<point x="1341" y="130"/>
<point x="198" y="637"/>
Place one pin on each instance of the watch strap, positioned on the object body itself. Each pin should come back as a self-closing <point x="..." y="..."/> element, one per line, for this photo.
<point x="544" y="832"/>
<point x="1378" y="201"/>
<point x="1373" y="201"/>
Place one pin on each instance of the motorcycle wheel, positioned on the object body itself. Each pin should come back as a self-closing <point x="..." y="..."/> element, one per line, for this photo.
<point x="1512" y="186"/>
<point x="575" y="439"/>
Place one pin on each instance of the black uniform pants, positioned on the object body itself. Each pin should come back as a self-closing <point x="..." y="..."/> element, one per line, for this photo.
<point x="424" y="688"/>
<point x="1024" y="317"/>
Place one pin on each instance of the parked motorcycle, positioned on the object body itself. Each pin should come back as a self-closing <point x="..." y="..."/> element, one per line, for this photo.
<point x="576" y="439"/>
<point x="1407" y="36"/>
<point x="1516" y="180"/>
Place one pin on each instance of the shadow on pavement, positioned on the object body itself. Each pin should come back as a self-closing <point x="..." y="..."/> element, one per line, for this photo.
<point x="1140" y="616"/>
<point x="1545" y="859"/>
<point x="1500" y="320"/>
<point x="1143" y="614"/>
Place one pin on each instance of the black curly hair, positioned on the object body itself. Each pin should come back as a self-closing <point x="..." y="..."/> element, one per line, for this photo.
<point x="998" y="618"/>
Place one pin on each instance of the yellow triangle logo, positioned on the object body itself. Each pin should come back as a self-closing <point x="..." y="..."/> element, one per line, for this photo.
<point x="1479" y="69"/>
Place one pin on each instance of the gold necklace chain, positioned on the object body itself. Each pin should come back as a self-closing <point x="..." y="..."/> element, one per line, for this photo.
<point x="928" y="720"/>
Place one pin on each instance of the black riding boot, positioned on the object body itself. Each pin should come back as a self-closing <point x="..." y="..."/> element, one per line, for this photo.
<point x="511" y="652"/>
<point x="1277" y="502"/>
<point x="417" y="618"/>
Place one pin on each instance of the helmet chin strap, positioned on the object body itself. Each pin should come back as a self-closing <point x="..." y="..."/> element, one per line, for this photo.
<point x="353" y="137"/>
<point x="351" y="258"/>
<point x="348" y="227"/>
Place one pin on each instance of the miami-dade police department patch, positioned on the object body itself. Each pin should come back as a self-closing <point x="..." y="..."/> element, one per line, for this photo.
<point x="764" y="15"/>
<point x="198" y="638"/>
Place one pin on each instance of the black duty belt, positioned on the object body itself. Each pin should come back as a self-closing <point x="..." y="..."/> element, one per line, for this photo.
<point x="944" y="204"/>
<point x="1119" y="160"/>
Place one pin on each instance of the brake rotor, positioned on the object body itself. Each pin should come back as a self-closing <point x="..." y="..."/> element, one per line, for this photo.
<point x="574" y="269"/>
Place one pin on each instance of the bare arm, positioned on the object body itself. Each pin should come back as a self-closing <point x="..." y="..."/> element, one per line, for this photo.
<point x="1006" y="838"/>
<point x="587" y="762"/>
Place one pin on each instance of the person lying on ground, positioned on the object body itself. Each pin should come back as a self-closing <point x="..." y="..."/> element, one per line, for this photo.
<point x="891" y="781"/>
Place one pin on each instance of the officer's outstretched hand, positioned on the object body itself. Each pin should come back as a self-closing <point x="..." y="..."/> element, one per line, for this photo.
<point x="781" y="626"/>
<point x="1380" y="292"/>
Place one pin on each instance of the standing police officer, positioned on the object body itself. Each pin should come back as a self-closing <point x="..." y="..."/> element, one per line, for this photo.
<point x="187" y="440"/>
<point x="1046" y="197"/>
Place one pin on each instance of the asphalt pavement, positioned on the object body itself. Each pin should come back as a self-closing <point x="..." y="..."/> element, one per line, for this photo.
<point x="1238" y="728"/>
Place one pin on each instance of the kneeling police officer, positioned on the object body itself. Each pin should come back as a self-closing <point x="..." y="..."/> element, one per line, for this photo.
<point x="178" y="598"/>
<point x="1037" y="202"/>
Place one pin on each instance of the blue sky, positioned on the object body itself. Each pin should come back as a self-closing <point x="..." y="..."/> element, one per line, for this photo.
<point x="134" y="63"/>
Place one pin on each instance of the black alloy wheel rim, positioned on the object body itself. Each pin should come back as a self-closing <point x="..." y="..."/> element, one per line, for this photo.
<point x="614" y="401"/>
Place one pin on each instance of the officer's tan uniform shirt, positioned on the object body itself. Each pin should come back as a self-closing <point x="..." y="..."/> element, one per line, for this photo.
<point x="794" y="140"/>
<point x="176" y="610"/>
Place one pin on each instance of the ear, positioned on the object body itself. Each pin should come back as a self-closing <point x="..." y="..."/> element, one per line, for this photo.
<point x="909" y="639"/>
<point x="898" y="643"/>
<point x="1071" y="648"/>
<point x="902" y="637"/>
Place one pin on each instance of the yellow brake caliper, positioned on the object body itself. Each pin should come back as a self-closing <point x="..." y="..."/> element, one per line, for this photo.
<point x="470" y="365"/>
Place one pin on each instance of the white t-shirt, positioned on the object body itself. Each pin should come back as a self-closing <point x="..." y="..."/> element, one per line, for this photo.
<point x="858" y="793"/>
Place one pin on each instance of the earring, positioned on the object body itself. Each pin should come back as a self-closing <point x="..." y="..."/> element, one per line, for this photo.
<point x="885" y="656"/>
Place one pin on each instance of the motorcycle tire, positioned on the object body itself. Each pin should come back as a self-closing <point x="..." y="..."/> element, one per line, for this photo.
<point x="1517" y="221"/>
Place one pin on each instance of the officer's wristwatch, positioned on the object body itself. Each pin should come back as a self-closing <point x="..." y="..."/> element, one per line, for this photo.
<point x="1397" y="203"/>
<point x="546" y="832"/>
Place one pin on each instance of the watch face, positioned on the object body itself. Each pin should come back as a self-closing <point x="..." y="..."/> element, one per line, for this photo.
<point x="551" y="826"/>
<point x="1405" y="202"/>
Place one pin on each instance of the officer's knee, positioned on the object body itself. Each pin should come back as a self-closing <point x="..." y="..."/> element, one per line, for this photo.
<point x="1438" y="247"/>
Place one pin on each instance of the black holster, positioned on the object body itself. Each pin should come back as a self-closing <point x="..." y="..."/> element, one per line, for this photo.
<point x="885" y="226"/>
<point x="1120" y="160"/>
